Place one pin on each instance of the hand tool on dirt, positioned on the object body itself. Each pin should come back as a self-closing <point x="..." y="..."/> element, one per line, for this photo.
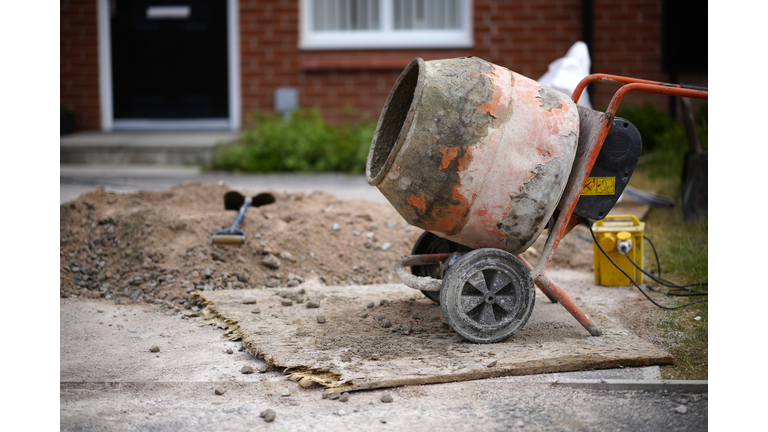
<point x="234" y="200"/>
<point x="486" y="158"/>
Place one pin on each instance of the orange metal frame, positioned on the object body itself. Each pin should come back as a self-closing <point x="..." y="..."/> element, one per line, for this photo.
<point x="566" y="221"/>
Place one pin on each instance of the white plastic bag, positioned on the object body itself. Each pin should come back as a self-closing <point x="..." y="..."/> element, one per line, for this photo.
<point x="565" y="73"/>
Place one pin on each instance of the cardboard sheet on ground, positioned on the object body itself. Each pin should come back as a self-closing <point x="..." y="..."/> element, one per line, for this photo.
<point x="406" y="340"/>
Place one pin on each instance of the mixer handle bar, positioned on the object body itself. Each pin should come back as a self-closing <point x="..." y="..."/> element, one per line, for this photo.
<point x="682" y="90"/>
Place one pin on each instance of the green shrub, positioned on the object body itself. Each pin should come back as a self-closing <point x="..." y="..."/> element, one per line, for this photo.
<point x="664" y="140"/>
<point x="303" y="142"/>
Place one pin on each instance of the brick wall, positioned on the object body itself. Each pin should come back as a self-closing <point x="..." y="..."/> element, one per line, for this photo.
<point x="522" y="35"/>
<point x="79" y="54"/>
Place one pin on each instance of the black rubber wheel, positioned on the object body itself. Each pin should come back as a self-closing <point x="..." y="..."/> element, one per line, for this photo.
<point x="427" y="244"/>
<point x="487" y="295"/>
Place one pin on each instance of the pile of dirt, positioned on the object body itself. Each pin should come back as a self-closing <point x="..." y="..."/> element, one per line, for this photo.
<point x="155" y="247"/>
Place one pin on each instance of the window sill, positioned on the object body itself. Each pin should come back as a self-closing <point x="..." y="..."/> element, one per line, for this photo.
<point x="372" y="60"/>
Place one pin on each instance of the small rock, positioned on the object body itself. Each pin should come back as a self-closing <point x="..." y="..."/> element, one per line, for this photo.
<point x="287" y="256"/>
<point x="346" y="358"/>
<point x="293" y="283"/>
<point x="385" y="303"/>
<point x="682" y="409"/>
<point x="271" y="261"/>
<point x="306" y="382"/>
<point x="229" y="351"/>
<point x="334" y="396"/>
<point x="313" y="304"/>
<point x="370" y="305"/>
<point x="407" y="328"/>
<point x="383" y="421"/>
<point x="372" y="227"/>
<point x="217" y="256"/>
<point x="256" y="311"/>
<point x="320" y="319"/>
<point x="219" y="390"/>
<point x="246" y="370"/>
<point x="386" y="398"/>
<point x="369" y="235"/>
<point x="264" y="369"/>
<point x="336" y="227"/>
<point x="386" y="246"/>
<point x="363" y="315"/>
<point x="249" y="301"/>
<point x="242" y="277"/>
<point x="344" y="397"/>
<point x="286" y="302"/>
<point x="154" y="348"/>
<point x="386" y="323"/>
<point x="492" y="364"/>
<point x="208" y="273"/>
<point x="268" y="415"/>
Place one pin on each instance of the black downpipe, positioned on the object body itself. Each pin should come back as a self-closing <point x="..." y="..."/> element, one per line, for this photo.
<point x="587" y="12"/>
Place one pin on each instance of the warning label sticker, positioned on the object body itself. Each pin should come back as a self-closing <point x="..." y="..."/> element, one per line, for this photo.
<point x="600" y="186"/>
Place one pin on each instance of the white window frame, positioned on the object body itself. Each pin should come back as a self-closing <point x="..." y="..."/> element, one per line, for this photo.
<point x="387" y="37"/>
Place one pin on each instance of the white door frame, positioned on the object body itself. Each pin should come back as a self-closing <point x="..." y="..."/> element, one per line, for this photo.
<point x="108" y="122"/>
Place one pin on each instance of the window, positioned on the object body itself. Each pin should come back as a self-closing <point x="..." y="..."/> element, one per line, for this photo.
<point x="365" y="24"/>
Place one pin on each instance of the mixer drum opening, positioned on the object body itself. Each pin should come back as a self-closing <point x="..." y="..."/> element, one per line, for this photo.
<point x="395" y="120"/>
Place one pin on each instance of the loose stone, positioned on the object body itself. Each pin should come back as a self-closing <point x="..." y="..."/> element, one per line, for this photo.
<point x="271" y="261"/>
<point x="320" y="319"/>
<point x="246" y="370"/>
<point x="219" y="390"/>
<point x="268" y="414"/>
<point x="386" y="398"/>
<point x="344" y="397"/>
<point x="154" y="348"/>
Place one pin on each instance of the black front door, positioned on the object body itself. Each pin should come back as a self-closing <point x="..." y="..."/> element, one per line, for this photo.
<point x="169" y="59"/>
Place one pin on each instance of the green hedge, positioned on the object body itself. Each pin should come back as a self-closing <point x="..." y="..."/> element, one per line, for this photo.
<point x="664" y="140"/>
<point x="302" y="143"/>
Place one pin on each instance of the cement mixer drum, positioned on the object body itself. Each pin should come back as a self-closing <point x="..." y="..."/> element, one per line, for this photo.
<point x="474" y="152"/>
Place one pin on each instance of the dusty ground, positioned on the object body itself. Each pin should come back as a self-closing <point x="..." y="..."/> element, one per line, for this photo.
<point x="129" y="263"/>
<point x="155" y="247"/>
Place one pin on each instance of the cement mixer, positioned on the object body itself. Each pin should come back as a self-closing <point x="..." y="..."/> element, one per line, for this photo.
<point x="484" y="159"/>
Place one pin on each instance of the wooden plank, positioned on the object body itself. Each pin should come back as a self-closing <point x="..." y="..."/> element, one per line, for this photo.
<point x="356" y="349"/>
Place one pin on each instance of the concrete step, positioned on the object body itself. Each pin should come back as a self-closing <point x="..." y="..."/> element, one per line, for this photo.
<point x="153" y="148"/>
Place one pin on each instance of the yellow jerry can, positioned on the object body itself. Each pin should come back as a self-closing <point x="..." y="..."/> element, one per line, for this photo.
<point x="612" y="233"/>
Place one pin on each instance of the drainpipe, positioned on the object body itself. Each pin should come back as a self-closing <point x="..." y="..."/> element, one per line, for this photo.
<point x="586" y="35"/>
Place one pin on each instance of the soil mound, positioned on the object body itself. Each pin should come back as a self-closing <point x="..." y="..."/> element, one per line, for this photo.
<point x="155" y="247"/>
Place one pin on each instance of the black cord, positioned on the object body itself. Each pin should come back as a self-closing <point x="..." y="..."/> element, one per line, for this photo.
<point x="633" y="281"/>
<point x="669" y="284"/>
<point x="658" y="263"/>
<point x="675" y="287"/>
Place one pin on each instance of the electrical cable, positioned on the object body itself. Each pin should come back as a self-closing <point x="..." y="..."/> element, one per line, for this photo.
<point x="675" y="287"/>
<point x="633" y="281"/>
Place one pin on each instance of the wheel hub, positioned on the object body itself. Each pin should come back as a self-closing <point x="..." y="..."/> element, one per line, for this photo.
<point x="488" y="300"/>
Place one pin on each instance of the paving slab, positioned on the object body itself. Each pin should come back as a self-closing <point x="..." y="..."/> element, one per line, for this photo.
<point x="378" y="336"/>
